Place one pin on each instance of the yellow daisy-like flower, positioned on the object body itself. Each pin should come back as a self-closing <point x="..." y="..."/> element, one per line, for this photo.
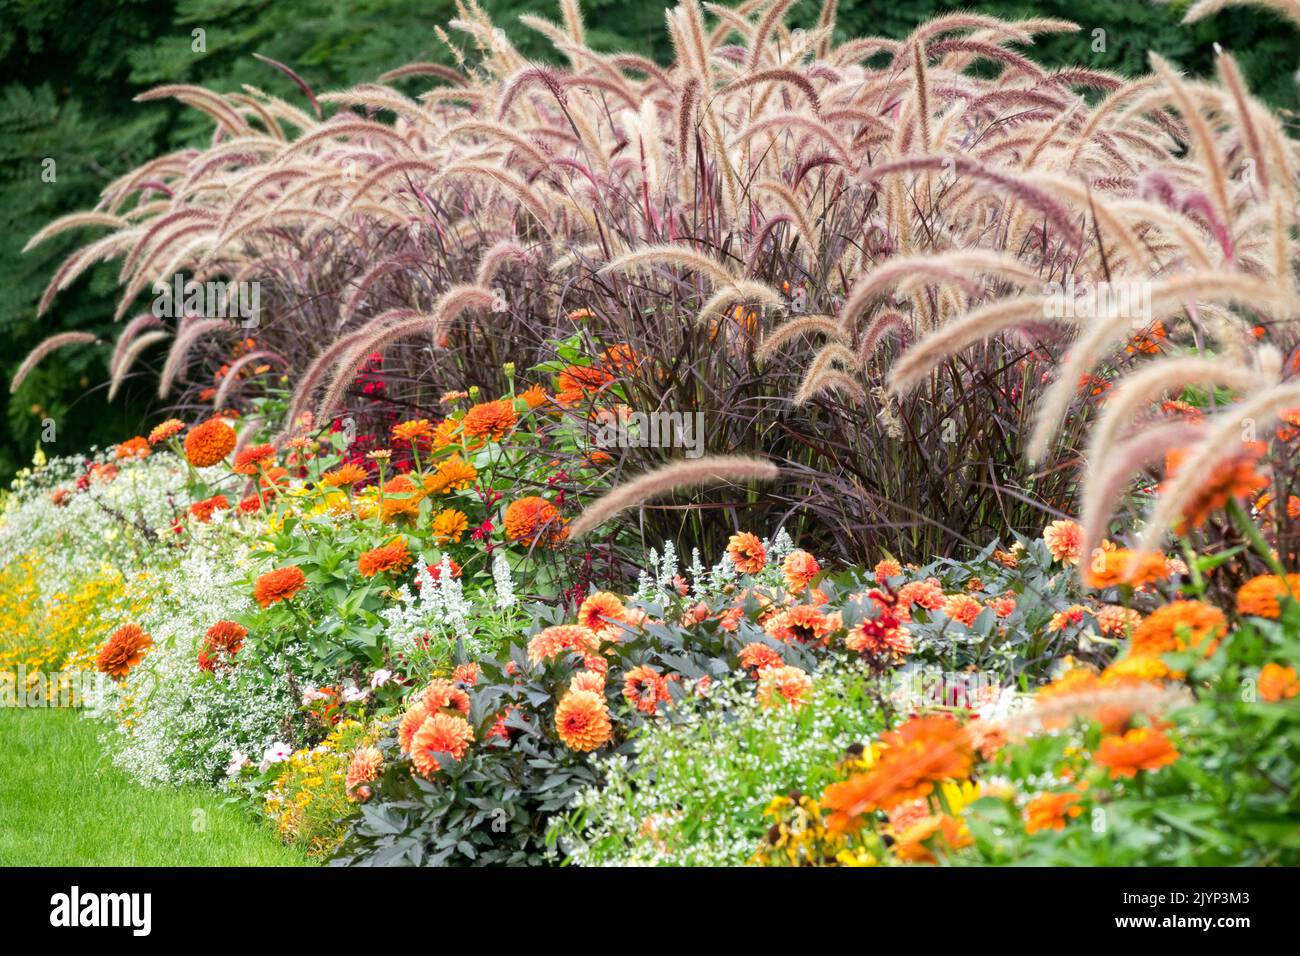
<point x="448" y="525"/>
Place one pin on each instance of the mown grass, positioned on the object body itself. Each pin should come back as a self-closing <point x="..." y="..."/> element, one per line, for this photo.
<point x="62" y="803"/>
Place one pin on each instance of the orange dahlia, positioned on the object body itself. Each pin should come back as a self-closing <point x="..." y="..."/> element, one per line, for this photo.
<point x="802" y="623"/>
<point x="367" y="763"/>
<point x="886" y="568"/>
<point x="449" y="525"/>
<point x="250" y="461"/>
<point x="786" y="684"/>
<point x="445" y="695"/>
<point x="442" y="733"/>
<point x="1277" y="683"/>
<point x="1116" y="621"/>
<point x="490" y="420"/>
<point x="125" y="649"/>
<point x="601" y="612"/>
<point x="411" y="721"/>
<point x="454" y="474"/>
<point x="757" y="657"/>
<point x="1049" y="811"/>
<point x="747" y="552"/>
<point x="534" y="521"/>
<point x="466" y="674"/>
<point x="1234" y="477"/>
<point x="209" y="443"/>
<point x="582" y="720"/>
<point x="344" y="476"/>
<point x="391" y="558"/>
<point x="645" y="689"/>
<point x="927" y="594"/>
<point x="588" y="680"/>
<point x="1262" y="596"/>
<point x="279" y="585"/>
<point x="799" y="568"/>
<point x="963" y="608"/>
<point x="561" y="639"/>
<point x="1143" y="748"/>
<point x="1063" y="539"/>
<point x="166" y="430"/>
<point x="136" y="447"/>
<point x="1108" y="567"/>
<point x="1179" y="626"/>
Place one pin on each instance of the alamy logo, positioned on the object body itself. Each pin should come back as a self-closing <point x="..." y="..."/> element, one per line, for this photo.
<point x="651" y="430"/>
<point x="210" y="300"/>
<point x="1089" y="300"/>
<point x="103" y="909"/>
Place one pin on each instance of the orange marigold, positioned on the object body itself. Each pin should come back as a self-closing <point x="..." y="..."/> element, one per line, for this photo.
<point x="279" y="585"/>
<point x="560" y="639"/>
<point x="391" y="558"/>
<point x="1262" y="596"/>
<point x="1049" y="811"/>
<point x="582" y="720"/>
<point x="1234" y="477"/>
<point x="602" y="612"/>
<point x="747" y="552"/>
<point x="448" y="734"/>
<point x="1178" y="626"/>
<point x="645" y="689"/>
<point x="1277" y="683"/>
<point x="1063" y="539"/>
<point x="534" y="521"/>
<point x="209" y="443"/>
<point x="490" y="420"/>
<point x="1142" y="748"/>
<point x="125" y="649"/>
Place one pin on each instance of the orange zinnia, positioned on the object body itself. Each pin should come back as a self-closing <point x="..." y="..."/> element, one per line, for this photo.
<point x="401" y="499"/>
<point x="136" y="447"/>
<point x="1049" y="811"/>
<point x="343" y="476"/>
<point x="279" y="585"/>
<point x="166" y="430"/>
<point x="534" y="521"/>
<point x="490" y="420"/>
<point x="391" y="558"/>
<point x="582" y="720"/>
<point x="454" y="474"/>
<point x="1179" y="626"/>
<point x="441" y="734"/>
<point x="576" y="381"/>
<point x="125" y="649"/>
<point x="911" y="845"/>
<point x="202" y="511"/>
<point x="251" y="460"/>
<point x="1234" y="477"/>
<point x="1262" y="596"/>
<point x="747" y="552"/>
<point x="209" y="443"/>
<point x="1107" y="568"/>
<point x="534" y="397"/>
<point x="1142" y="748"/>
<point x="449" y="525"/>
<point x="416" y="430"/>
<point x="1277" y="683"/>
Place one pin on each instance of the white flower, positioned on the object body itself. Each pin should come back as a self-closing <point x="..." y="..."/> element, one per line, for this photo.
<point x="380" y="677"/>
<point x="311" y="694"/>
<point x="238" y="761"/>
<point x="502" y="581"/>
<point x="352" y="693"/>
<point x="278" y="752"/>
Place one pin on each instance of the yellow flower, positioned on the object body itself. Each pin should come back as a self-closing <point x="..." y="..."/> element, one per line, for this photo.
<point x="448" y="525"/>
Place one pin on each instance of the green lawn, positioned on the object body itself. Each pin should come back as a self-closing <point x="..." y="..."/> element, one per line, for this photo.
<point x="63" y="803"/>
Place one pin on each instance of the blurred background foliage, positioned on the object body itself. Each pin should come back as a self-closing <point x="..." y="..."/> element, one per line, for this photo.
<point x="69" y="70"/>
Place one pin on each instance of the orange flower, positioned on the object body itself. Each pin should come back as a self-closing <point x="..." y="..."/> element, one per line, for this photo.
<point x="449" y="525"/>
<point x="1178" y="626"/>
<point x="366" y="765"/>
<point x="913" y="844"/>
<point x="1048" y="811"/>
<point x="1262" y="596"/>
<point x="391" y="558"/>
<point x="279" y="585"/>
<point x="202" y="511"/>
<point x="886" y="568"/>
<point x="1063" y="619"/>
<point x="344" y="476"/>
<point x="125" y="649"/>
<point x="223" y="641"/>
<point x="1116" y="621"/>
<point x="962" y="608"/>
<point x="165" y="430"/>
<point x="401" y="499"/>
<point x="921" y="752"/>
<point x="582" y="720"/>
<point x="1235" y="477"/>
<point x="466" y="674"/>
<point x="576" y="381"/>
<point x="251" y="460"/>
<point x="645" y="689"/>
<point x="490" y="420"/>
<point x="136" y="447"/>
<point x="534" y="521"/>
<point x="799" y="568"/>
<point x="601" y="612"/>
<point x="803" y="623"/>
<point x="927" y="594"/>
<point x="1107" y="568"/>
<point x="535" y="397"/>
<point x="445" y="695"/>
<point x="1063" y="539"/>
<point x="785" y="684"/>
<point x="411" y="722"/>
<point x="757" y="657"/>
<point x="588" y="680"/>
<point x="454" y="474"/>
<point x="209" y="443"/>
<point x="561" y="639"/>
<point x="1277" y="683"/>
<point x="747" y="552"/>
<point x="414" y="431"/>
<point x="1142" y="748"/>
<point x="440" y="734"/>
